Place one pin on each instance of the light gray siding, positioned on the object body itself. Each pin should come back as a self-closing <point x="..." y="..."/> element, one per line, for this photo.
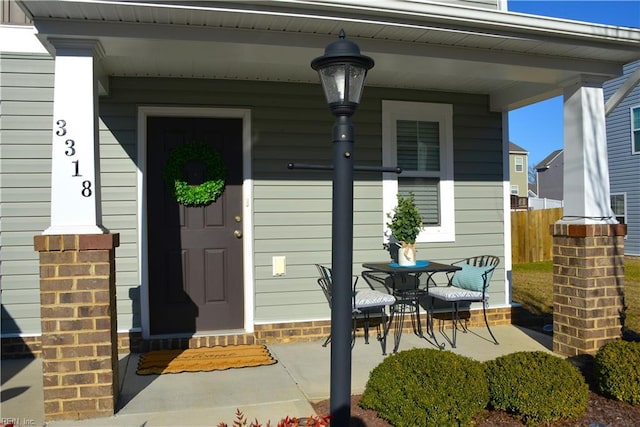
<point x="25" y="192"/>
<point x="551" y="180"/>
<point x="283" y="214"/>
<point x="291" y="208"/>
<point x="624" y="166"/>
<point x="26" y="89"/>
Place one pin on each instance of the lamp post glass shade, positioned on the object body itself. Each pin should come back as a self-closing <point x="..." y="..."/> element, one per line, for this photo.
<point x="342" y="70"/>
<point x="337" y="87"/>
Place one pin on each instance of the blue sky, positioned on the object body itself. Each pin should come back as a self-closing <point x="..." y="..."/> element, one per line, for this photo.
<point x="524" y="123"/>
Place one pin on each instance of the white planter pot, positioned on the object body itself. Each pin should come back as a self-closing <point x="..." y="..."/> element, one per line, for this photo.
<point x="407" y="255"/>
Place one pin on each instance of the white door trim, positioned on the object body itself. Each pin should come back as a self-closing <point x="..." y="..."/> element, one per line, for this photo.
<point x="247" y="203"/>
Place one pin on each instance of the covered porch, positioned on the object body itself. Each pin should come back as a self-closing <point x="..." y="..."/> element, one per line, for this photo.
<point x="500" y="59"/>
<point x="300" y="376"/>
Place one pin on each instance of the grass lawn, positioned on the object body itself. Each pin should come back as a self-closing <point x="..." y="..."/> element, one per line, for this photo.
<point x="533" y="288"/>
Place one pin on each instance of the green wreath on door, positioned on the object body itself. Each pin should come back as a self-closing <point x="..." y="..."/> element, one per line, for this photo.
<point x="215" y="174"/>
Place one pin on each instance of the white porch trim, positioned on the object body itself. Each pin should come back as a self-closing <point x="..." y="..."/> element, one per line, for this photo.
<point x="20" y="39"/>
<point x="76" y="206"/>
<point x="586" y="168"/>
<point x="506" y="191"/>
<point x="247" y="197"/>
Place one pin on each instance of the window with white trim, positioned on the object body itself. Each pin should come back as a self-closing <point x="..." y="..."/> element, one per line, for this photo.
<point x="519" y="164"/>
<point x="515" y="189"/>
<point x="418" y="138"/>
<point x="635" y="130"/>
<point x="619" y="206"/>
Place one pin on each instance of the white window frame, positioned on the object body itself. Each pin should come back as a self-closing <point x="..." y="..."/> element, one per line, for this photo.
<point x="515" y="188"/>
<point x="634" y="143"/>
<point x="392" y="111"/>
<point x="518" y="166"/>
<point x="624" y="197"/>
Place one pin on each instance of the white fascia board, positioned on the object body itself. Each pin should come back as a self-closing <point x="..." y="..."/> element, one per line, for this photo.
<point x="388" y="12"/>
<point x="482" y="17"/>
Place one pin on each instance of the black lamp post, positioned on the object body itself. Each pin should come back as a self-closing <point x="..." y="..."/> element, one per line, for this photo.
<point x="342" y="70"/>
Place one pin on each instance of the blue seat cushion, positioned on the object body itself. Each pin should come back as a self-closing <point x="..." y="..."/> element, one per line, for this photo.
<point x="471" y="277"/>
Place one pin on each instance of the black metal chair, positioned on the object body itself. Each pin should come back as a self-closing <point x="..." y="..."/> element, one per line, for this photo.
<point x="408" y="294"/>
<point x="468" y="285"/>
<point x="365" y="302"/>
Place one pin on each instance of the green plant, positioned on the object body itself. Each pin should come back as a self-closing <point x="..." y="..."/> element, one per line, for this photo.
<point x="617" y="368"/>
<point x="215" y="174"/>
<point x="537" y="386"/>
<point x="312" y="421"/>
<point x="426" y="387"/>
<point x="406" y="221"/>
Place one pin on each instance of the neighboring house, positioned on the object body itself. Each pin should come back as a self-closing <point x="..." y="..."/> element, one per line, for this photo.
<point x="550" y="176"/>
<point x="518" y="170"/>
<point x="623" y="148"/>
<point x="236" y="75"/>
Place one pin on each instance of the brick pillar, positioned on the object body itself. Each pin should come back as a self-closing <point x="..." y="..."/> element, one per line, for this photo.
<point x="79" y="334"/>
<point x="588" y="291"/>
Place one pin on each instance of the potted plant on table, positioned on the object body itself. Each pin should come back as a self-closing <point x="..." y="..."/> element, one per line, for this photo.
<point x="405" y="225"/>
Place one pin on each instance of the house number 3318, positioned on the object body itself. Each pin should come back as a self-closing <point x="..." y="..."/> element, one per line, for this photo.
<point x="70" y="150"/>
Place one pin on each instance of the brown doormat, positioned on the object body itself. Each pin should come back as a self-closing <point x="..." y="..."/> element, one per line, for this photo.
<point x="204" y="359"/>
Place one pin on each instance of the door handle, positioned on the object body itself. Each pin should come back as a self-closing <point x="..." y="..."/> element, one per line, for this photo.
<point x="237" y="233"/>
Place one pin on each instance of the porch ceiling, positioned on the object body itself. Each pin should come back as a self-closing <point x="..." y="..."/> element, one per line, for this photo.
<point x="515" y="58"/>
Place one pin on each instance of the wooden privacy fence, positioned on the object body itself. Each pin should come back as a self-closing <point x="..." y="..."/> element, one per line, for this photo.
<point x="530" y="235"/>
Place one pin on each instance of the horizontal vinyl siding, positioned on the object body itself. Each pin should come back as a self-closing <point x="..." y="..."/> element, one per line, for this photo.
<point x="291" y="208"/>
<point x="282" y="122"/>
<point x="300" y="210"/>
<point x="25" y="191"/>
<point x="26" y="83"/>
<point x="119" y="179"/>
<point x="624" y="167"/>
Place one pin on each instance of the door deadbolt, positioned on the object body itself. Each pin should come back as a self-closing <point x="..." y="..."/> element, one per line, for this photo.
<point x="237" y="218"/>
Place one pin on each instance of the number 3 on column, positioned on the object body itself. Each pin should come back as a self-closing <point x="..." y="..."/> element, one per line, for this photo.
<point x="70" y="152"/>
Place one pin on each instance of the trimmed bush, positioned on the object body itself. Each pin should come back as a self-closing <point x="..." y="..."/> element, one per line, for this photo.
<point x="537" y="386"/>
<point x="427" y="387"/>
<point x="617" y="368"/>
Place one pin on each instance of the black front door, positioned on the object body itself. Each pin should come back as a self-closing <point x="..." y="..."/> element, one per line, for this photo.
<point x="194" y="253"/>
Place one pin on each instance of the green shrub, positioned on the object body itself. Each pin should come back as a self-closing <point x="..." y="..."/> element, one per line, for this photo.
<point x="427" y="387"/>
<point x="537" y="386"/>
<point x="617" y="368"/>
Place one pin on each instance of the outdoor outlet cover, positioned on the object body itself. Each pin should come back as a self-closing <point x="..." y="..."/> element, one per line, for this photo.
<point x="279" y="265"/>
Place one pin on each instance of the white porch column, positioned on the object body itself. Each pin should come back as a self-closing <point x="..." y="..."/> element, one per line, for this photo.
<point x="75" y="170"/>
<point x="588" y="242"/>
<point x="586" y="170"/>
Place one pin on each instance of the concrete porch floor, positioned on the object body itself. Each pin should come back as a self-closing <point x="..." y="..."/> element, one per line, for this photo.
<point x="301" y="376"/>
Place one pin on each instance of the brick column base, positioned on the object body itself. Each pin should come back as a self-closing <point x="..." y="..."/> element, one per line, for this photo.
<point x="79" y="334"/>
<point x="588" y="291"/>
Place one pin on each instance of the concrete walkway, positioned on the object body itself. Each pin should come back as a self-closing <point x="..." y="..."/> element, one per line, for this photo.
<point x="301" y="376"/>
